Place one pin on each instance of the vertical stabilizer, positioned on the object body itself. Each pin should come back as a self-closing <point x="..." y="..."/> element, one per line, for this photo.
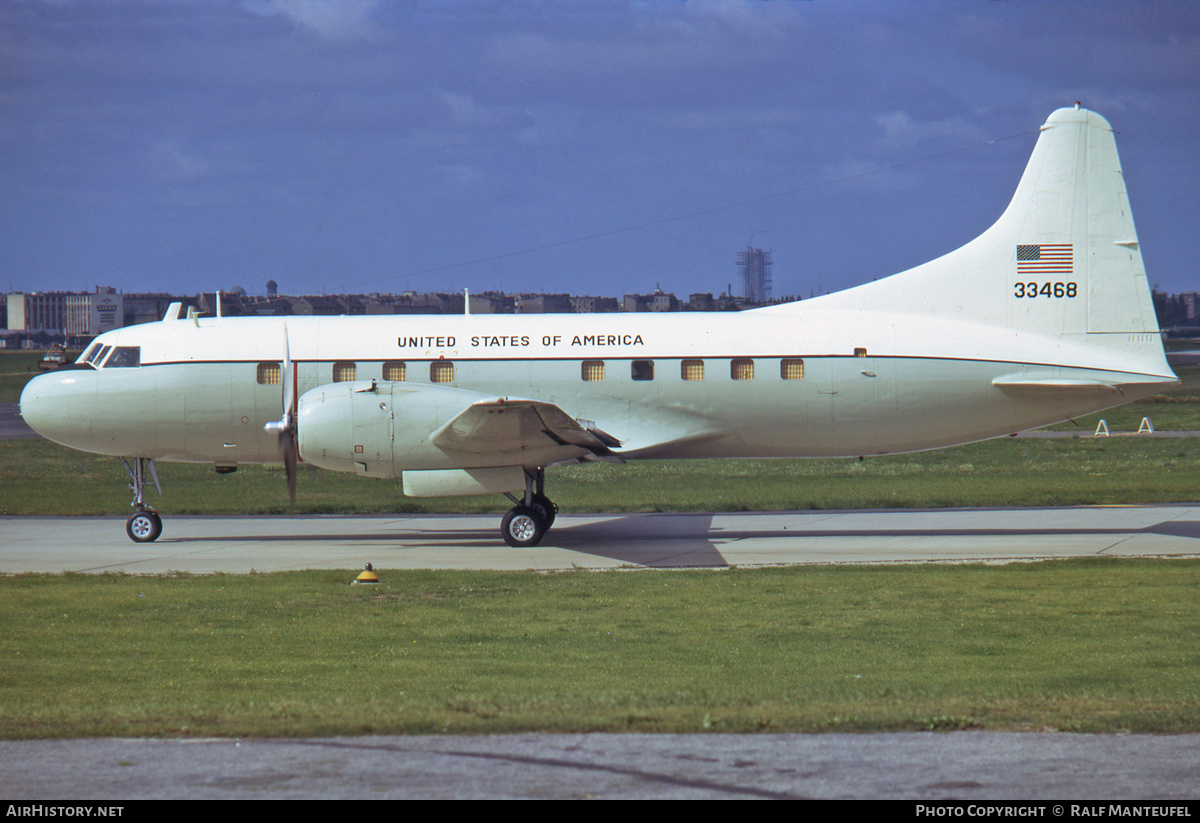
<point x="1063" y="258"/>
<point x="1070" y="223"/>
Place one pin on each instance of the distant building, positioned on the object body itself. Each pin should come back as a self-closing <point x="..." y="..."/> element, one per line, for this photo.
<point x="230" y="304"/>
<point x="148" y="307"/>
<point x="14" y="314"/>
<point x="429" y="303"/>
<point x="38" y="311"/>
<point x="75" y="317"/>
<point x="658" y="301"/>
<point x="754" y="272"/>
<point x="79" y="313"/>
<point x="544" y="304"/>
<point x="320" y="304"/>
<point x="105" y="311"/>
<point x="589" y="305"/>
<point x="1179" y="313"/>
<point x="379" y="304"/>
<point x="454" y="303"/>
<point x="493" y="302"/>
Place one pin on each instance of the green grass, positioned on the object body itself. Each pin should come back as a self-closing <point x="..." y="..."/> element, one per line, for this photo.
<point x="16" y="368"/>
<point x="38" y="477"/>
<point x="1091" y="646"/>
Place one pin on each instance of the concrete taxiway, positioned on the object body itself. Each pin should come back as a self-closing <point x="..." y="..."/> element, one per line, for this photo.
<point x="12" y="427"/>
<point x="209" y="544"/>
<point x="967" y="767"/>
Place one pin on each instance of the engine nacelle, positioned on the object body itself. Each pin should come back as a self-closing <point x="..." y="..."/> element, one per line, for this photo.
<point x="377" y="429"/>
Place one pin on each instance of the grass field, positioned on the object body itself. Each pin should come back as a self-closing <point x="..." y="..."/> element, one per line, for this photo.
<point x="16" y="367"/>
<point x="1089" y="646"/>
<point x="37" y="477"/>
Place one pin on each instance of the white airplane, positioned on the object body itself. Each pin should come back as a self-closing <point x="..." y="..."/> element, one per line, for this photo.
<point x="1044" y="317"/>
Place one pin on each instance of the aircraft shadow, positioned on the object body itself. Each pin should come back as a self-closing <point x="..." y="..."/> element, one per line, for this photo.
<point x="659" y="541"/>
<point x="671" y="541"/>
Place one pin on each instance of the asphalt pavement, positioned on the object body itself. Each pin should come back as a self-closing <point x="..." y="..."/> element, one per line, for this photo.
<point x="1024" y="769"/>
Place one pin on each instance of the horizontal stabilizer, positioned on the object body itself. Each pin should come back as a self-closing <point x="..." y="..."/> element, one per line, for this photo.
<point x="1034" y="383"/>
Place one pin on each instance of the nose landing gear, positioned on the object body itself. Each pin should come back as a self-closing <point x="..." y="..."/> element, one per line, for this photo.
<point x="144" y="525"/>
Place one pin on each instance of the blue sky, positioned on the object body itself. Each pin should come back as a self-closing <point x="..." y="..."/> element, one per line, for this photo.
<point x="585" y="147"/>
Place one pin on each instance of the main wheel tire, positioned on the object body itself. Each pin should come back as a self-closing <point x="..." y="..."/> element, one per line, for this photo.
<point x="546" y="508"/>
<point x="522" y="527"/>
<point x="143" y="526"/>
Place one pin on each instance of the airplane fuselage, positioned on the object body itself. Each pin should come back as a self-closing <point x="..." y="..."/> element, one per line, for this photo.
<point x="685" y="385"/>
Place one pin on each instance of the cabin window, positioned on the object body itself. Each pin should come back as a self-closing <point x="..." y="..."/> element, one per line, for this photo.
<point x="860" y="352"/>
<point x="593" y="371"/>
<point x="395" y="371"/>
<point x="691" y="369"/>
<point x="642" y="370"/>
<point x="441" y="371"/>
<point x="269" y="374"/>
<point x="791" y="368"/>
<point x="344" y="372"/>
<point x="741" y="368"/>
<point x="125" y="357"/>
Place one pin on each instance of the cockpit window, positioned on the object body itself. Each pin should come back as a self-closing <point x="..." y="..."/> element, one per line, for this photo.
<point x="89" y="354"/>
<point x="124" y="357"/>
<point x="98" y="356"/>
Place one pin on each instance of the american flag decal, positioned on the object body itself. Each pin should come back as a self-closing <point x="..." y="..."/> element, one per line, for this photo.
<point x="1048" y="258"/>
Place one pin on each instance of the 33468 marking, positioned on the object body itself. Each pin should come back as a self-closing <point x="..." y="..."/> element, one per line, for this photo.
<point x="1035" y="289"/>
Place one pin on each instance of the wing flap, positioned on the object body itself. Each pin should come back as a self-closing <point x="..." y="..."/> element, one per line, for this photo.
<point x="503" y="425"/>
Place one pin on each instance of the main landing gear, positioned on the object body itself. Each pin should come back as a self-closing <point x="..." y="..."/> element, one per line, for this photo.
<point x="527" y="522"/>
<point x="144" y="525"/>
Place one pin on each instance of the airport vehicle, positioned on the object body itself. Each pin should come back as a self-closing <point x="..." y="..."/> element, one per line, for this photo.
<point x="1045" y="316"/>
<point x="56" y="357"/>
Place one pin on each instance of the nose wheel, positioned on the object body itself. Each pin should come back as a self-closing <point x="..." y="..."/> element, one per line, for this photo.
<point x="143" y="526"/>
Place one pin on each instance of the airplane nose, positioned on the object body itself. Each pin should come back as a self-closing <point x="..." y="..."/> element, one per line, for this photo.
<point x="94" y="411"/>
<point x="44" y="405"/>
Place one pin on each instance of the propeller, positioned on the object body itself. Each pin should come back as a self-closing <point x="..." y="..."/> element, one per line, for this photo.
<point x="285" y="427"/>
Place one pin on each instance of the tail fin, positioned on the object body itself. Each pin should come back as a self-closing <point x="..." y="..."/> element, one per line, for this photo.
<point x="1063" y="259"/>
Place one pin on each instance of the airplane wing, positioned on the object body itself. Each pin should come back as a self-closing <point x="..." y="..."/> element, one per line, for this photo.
<point x="504" y="425"/>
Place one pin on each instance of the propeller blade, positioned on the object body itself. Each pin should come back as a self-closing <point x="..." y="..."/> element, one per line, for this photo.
<point x="289" y="383"/>
<point x="285" y="427"/>
<point x="287" y="455"/>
